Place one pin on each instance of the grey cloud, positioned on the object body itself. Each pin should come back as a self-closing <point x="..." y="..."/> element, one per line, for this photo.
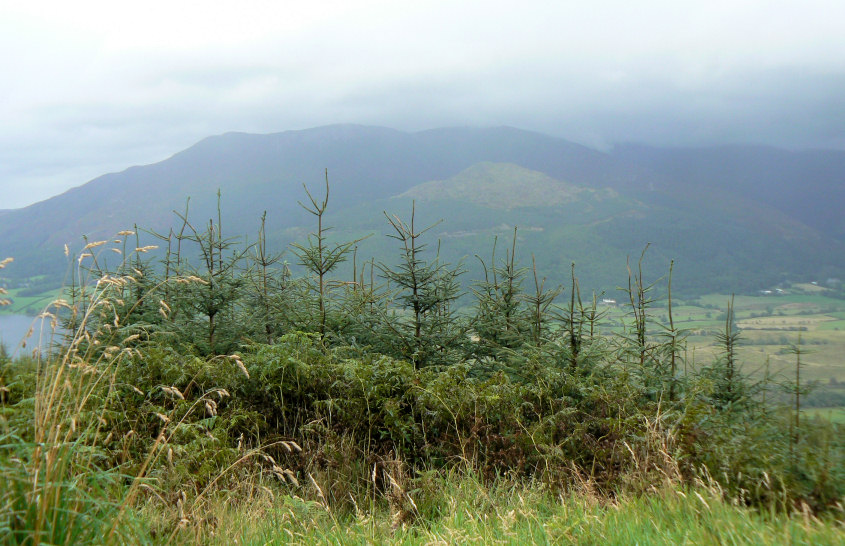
<point x="671" y="73"/>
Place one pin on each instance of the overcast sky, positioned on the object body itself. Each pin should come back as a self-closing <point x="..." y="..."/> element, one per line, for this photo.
<point x="93" y="87"/>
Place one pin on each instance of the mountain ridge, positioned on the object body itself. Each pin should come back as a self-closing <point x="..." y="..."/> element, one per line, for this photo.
<point x="718" y="192"/>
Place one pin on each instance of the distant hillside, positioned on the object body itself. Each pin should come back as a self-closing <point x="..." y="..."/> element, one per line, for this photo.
<point x="808" y="186"/>
<point x="733" y="218"/>
<point x="266" y="172"/>
<point x="717" y="245"/>
<point x="501" y="186"/>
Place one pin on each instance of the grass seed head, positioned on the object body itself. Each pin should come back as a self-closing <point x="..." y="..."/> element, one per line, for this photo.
<point x="237" y="360"/>
<point x="94" y="244"/>
<point x="174" y="392"/>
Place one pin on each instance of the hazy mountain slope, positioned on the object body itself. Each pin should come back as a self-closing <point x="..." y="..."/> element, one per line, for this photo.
<point x="742" y="246"/>
<point x="808" y="185"/>
<point x="725" y="213"/>
<point x="266" y="172"/>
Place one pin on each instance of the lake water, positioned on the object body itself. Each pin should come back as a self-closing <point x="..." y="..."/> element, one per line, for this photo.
<point x="13" y="328"/>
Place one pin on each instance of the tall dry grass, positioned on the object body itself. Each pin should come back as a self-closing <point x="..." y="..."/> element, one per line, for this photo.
<point x="461" y="508"/>
<point x="60" y="482"/>
<point x="56" y="484"/>
<point x="56" y="487"/>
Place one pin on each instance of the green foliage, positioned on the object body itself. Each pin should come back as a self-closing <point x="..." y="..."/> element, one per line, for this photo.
<point x="319" y="257"/>
<point x="729" y="387"/>
<point x="210" y="302"/>
<point x="425" y="328"/>
<point x="501" y="319"/>
<point x="182" y="383"/>
<point x="267" y="290"/>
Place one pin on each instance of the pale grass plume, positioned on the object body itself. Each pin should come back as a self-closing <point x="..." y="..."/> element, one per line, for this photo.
<point x="5" y="301"/>
<point x="291" y="476"/>
<point x="94" y="244"/>
<point x="280" y="473"/>
<point x="222" y="393"/>
<point x="174" y="392"/>
<point x="189" y="279"/>
<point x="325" y="502"/>
<point x="61" y="303"/>
<point x="239" y="363"/>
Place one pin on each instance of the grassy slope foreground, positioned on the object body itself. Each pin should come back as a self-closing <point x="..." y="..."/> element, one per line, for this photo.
<point x="464" y="511"/>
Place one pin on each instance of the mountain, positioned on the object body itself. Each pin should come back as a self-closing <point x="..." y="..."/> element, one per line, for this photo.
<point x="717" y="245"/>
<point x="733" y="218"/>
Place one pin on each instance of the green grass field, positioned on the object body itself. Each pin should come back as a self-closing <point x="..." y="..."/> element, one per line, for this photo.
<point x="833" y="414"/>
<point x="28" y="305"/>
<point x="770" y="326"/>
<point x="463" y="511"/>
